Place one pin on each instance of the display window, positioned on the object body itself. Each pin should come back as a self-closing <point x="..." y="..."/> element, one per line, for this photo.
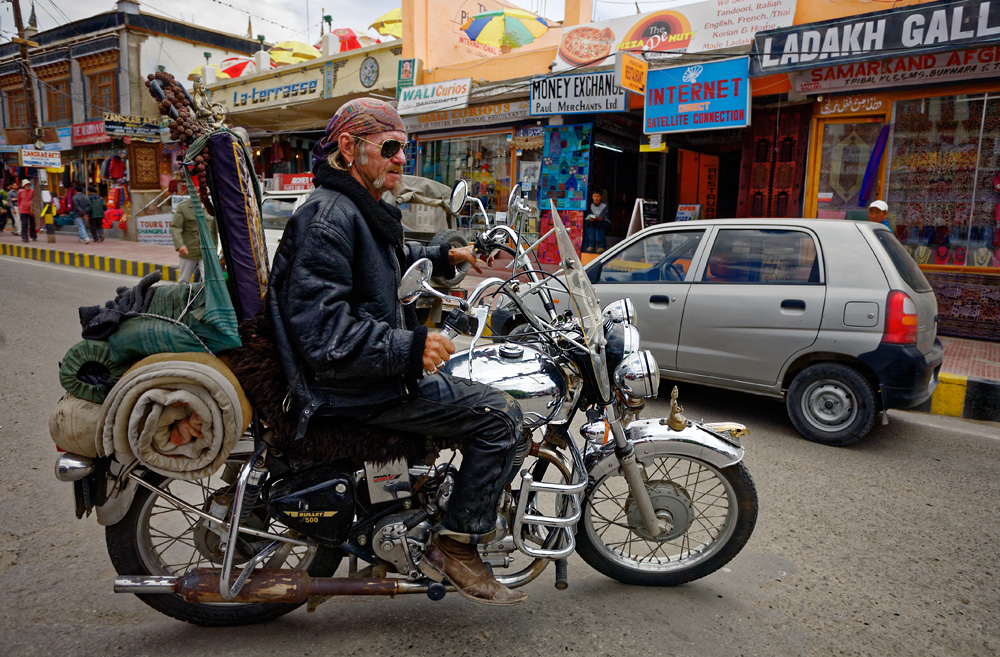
<point x="943" y="186"/>
<point x="483" y="159"/>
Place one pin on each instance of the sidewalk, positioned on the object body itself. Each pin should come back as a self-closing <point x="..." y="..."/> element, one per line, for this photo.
<point x="970" y="376"/>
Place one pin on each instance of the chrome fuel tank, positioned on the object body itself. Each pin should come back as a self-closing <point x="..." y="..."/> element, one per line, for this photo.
<point x="546" y="390"/>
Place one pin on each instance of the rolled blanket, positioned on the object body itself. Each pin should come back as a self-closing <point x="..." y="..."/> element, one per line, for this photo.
<point x="87" y="371"/>
<point x="159" y="390"/>
<point x="73" y="425"/>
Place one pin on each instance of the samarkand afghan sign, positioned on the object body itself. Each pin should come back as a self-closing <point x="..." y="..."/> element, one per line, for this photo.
<point x="915" y="30"/>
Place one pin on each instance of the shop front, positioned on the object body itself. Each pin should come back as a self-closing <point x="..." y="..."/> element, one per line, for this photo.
<point x="922" y="133"/>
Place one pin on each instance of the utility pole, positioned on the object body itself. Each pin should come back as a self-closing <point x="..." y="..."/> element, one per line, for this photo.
<point x="26" y="73"/>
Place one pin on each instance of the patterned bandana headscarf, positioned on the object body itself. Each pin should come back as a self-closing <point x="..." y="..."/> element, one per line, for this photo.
<point x="358" y="117"/>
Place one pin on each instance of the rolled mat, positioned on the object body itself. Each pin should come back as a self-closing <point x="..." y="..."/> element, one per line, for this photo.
<point x="87" y="371"/>
<point x="73" y="425"/>
<point x="159" y="390"/>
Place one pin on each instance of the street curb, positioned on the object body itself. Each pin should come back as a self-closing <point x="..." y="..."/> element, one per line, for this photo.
<point x="89" y="261"/>
<point x="965" y="397"/>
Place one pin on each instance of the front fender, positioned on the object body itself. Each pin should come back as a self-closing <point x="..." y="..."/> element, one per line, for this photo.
<point x="652" y="439"/>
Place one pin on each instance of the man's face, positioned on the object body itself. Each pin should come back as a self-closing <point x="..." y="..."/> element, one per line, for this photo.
<point x="596" y="198"/>
<point x="874" y="214"/>
<point x="375" y="172"/>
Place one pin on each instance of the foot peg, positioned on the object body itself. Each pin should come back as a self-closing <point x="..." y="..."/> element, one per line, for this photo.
<point x="436" y="591"/>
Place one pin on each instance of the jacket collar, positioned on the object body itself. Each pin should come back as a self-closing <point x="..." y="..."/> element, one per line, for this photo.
<point x="384" y="220"/>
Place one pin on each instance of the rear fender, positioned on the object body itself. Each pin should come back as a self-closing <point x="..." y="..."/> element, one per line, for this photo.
<point x="652" y="439"/>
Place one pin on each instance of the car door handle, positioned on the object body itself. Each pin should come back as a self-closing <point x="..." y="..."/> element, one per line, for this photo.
<point x="659" y="300"/>
<point x="793" y="304"/>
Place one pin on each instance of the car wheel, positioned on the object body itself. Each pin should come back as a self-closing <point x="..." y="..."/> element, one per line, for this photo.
<point x="831" y="404"/>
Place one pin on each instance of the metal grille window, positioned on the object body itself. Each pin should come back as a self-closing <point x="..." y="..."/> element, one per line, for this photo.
<point x="57" y="100"/>
<point x="103" y="95"/>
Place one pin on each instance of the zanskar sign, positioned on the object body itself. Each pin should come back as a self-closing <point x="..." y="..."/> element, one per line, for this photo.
<point x="575" y="94"/>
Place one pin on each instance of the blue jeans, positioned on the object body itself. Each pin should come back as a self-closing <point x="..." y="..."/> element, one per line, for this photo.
<point x="594" y="235"/>
<point x="81" y="226"/>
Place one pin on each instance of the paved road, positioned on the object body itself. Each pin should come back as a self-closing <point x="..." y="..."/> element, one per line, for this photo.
<point x="889" y="547"/>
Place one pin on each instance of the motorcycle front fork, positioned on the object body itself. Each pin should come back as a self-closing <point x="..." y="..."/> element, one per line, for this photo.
<point x="633" y="473"/>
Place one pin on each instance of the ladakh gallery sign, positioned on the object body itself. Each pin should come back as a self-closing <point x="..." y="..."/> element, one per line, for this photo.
<point x="916" y="30"/>
<point x="576" y="94"/>
<point x="698" y="97"/>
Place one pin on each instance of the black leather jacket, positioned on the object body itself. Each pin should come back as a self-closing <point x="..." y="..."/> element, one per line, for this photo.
<point x="347" y="345"/>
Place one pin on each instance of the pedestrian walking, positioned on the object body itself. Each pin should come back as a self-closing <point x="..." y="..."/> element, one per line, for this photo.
<point x="25" y="197"/>
<point x="595" y="225"/>
<point x="48" y="219"/>
<point x="81" y="213"/>
<point x="97" y="208"/>
<point x="184" y="230"/>
<point x="8" y="201"/>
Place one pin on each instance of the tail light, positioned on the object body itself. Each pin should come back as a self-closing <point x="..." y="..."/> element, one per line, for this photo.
<point x="901" y="319"/>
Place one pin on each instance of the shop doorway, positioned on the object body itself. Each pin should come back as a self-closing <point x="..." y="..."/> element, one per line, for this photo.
<point x="846" y="146"/>
<point x="614" y="171"/>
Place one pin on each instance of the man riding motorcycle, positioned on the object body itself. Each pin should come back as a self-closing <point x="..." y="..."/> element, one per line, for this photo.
<point x="349" y="348"/>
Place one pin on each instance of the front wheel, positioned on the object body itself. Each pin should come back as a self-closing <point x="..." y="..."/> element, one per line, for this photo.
<point x="710" y="515"/>
<point x="158" y="538"/>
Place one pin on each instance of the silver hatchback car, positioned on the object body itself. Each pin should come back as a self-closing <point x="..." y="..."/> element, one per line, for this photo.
<point x="832" y="316"/>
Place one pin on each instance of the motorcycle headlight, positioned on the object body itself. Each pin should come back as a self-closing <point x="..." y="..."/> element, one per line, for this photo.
<point x="623" y="340"/>
<point x="638" y="375"/>
<point x="618" y="312"/>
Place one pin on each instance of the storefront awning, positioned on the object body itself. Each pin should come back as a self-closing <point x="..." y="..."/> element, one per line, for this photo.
<point x="903" y="32"/>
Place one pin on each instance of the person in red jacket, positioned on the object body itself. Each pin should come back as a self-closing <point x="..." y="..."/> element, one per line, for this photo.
<point x="24" y="198"/>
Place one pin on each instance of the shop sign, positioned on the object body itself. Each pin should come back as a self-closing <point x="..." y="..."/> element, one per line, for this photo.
<point x="292" y="182"/>
<point x="121" y="125"/>
<point x="699" y="97"/>
<point x="40" y="158"/>
<point x="154" y="229"/>
<point x="408" y="74"/>
<point x="689" y="212"/>
<point x="916" y="30"/>
<point x="488" y="114"/>
<point x="841" y="105"/>
<point x="439" y="96"/>
<point x="630" y="73"/>
<point x="276" y="91"/>
<point x="89" y="133"/>
<point x="577" y="94"/>
<point x="968" y="64"/>
<point x="693" y="27"/>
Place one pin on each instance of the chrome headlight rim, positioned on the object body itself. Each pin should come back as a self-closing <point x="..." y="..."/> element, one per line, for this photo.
<point x="638" y="375"/>
<point x="621" y="311"/>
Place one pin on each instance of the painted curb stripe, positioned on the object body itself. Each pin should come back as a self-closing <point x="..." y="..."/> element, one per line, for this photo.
<point x="982" y="400"/>
<point x="949" y="396"/>
<point x="89" y="261"/>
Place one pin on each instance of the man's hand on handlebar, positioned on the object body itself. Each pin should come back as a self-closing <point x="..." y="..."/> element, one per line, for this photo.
<point x="437" y="351"/>
<point x="464" y="254"/>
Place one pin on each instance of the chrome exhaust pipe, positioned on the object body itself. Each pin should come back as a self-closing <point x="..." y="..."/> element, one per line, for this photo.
<point x="73" y="467"/>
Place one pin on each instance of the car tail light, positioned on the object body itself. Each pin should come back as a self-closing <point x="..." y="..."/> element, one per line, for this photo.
<point x="901" y="319"/>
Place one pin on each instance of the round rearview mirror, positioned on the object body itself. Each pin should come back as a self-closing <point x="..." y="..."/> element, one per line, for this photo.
<point x="415" y="280"/>
<point x="459" y="194"/>
<point x="514" y="200"/>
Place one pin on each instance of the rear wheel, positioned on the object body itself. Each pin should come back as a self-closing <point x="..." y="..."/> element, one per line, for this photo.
<point x="831" y="404"/>
<point x="710" y="514"/>
<point x="158" y="538"/>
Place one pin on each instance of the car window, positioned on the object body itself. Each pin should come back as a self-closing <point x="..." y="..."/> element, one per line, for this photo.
<point x="762" y="256"/>
<point x="655" y="258"/>
<point x="904" y="263"/>
<point x="274" y="212"/>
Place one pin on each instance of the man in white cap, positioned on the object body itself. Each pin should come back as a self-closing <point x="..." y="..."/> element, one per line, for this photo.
<point x="878" y="211"/>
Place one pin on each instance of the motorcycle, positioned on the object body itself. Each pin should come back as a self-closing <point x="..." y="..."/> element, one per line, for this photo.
<point x="646" y="501"/>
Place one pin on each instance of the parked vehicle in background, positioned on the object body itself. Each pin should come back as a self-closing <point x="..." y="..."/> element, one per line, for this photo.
<point x="275" y="209"/>
<point x="832" y="316"/>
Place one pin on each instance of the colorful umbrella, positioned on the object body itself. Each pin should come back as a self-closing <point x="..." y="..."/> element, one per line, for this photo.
<point x="389" y="24"/>
<point x="490" y="27"/>
<point x="219" y="73"/>
<point x="302" y="51"/>
<point x="234" y="67"/>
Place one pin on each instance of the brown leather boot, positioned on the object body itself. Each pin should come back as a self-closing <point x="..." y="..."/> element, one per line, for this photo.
<point x="462" y="565"/>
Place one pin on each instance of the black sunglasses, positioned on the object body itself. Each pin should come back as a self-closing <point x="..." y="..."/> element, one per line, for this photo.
<point x="388" y="148"/>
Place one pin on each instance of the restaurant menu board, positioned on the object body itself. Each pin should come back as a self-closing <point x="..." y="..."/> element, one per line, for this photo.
<point x="548" y="250"/>
<point x="566" y="165"/>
